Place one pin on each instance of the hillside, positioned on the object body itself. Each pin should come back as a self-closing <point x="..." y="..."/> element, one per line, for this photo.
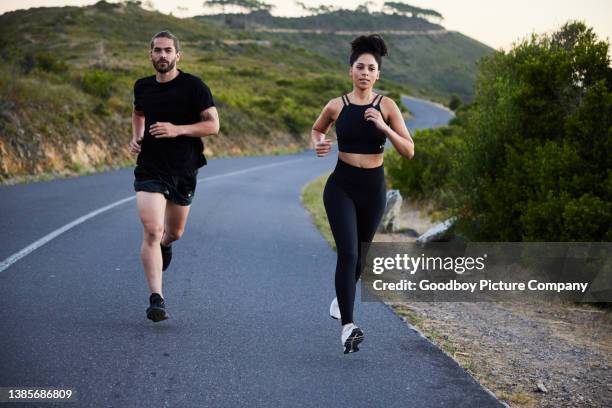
<point x="422" y="55"/>
<point x="338" y="20"/>
<point x="66" y="86"/>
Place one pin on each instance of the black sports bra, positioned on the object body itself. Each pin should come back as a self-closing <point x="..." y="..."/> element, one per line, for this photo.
<point x="355" y="134"/>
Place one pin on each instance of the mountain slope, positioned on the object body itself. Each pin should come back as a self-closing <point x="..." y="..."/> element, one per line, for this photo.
<point x="422" y="55"/>
<point x="66" y="86"/>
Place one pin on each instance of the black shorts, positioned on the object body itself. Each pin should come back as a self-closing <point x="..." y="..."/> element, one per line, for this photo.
<point x="178" y="189"/>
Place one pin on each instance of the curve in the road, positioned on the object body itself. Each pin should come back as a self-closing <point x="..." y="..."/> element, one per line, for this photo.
<point x="426" y="114"/>
<point x="6" y="263"/>
<point x="248" y="294"/>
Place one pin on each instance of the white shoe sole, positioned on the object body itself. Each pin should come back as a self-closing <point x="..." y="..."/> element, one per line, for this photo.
<point x="332" y="314"/>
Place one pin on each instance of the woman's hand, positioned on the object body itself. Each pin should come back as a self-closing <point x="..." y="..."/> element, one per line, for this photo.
<point x="134" y="146"/>
<point x="323" y="146"/>
<point x="374" y="115"/>
<point x="321" y="126"/>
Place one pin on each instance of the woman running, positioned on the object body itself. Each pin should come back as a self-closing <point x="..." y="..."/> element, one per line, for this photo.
<point x="355" y="193"/>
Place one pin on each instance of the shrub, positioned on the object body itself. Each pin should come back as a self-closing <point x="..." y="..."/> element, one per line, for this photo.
<point x="427" y="173"/>
<point x="44" y="61"/>
<point x="98" y="83"/>
<point x="454" y="102"/>
<point x="536" y="159"/>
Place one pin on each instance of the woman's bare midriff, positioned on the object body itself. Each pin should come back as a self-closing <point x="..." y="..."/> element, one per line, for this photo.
<point x="366" y="161"/>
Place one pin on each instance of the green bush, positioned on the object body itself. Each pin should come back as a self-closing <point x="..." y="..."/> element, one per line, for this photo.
<point x="247" y="72"/>
<point x="529" y="159"/>
<point x="44" y="61"/>
<point x="398" y="100"/>
<point x="454" y="102"/>
<point x="293" y="116"/>
<point x="535" y="163"/>
<point x="284" y="82"/>
<point x="101" y="110"/>
<point x="48" y="62"/>
<point x="98" y="83"/>
<point x="426" y="175"/>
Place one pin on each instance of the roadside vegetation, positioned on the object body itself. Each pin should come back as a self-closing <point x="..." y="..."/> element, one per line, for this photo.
<point x="66" y="87"/>
<point x="529" y="159"/>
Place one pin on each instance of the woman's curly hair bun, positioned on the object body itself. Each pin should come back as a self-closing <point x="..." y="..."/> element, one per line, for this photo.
<point x="368" y="44"/>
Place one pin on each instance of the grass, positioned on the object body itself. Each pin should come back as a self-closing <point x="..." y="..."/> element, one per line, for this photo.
<point x="86" y="59"/>
<point x="518" y="397"/>
<point x="312" y="200"/>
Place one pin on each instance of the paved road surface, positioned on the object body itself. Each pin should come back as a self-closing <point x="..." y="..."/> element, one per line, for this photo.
<point x="426" y="114"/>
<point x="248" y="293"/>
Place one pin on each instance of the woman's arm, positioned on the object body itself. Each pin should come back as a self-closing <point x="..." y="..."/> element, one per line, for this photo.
<point x="321" y="127"/>
<point x="396" y="130"/>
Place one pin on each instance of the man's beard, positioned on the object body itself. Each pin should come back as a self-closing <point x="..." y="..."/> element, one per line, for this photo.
<point x="163" y="69"/>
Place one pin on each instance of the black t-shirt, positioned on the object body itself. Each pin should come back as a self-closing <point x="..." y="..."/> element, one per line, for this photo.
<point x="179" y="102"/>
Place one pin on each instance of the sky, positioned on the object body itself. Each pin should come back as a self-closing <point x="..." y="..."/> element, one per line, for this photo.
<point x="496" y="23"/>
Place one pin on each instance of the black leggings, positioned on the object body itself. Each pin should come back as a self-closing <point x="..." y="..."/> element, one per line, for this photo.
<point x="355" y="200"/>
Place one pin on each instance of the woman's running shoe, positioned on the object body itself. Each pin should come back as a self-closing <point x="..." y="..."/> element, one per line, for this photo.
<point x="351" y="337"/>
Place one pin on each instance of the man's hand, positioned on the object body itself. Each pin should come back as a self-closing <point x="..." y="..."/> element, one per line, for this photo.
<point x="134" y="146"/>
<point x="164" y="129"/>
<point x="323" y="146"/>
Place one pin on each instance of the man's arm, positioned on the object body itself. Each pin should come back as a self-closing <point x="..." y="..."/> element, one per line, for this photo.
<point x="207" y="126"/>
<point x="138" y="124"/>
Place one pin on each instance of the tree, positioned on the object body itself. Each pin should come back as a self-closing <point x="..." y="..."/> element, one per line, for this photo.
<point x="536" y="162"/>
<point x="248" y="6"/>
<point x="405" y="9"/>
<point x="260" y="6"/>
<point x="182" y="10"/>
<point x="322" y="9"/>
<point x="217" y="3"/>
<point x="365" y="7"/>
<point x="454" y="102"/>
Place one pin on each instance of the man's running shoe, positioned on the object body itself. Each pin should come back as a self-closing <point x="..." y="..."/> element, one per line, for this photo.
<point x="166" y="252"/>
<point x="157" y="309"/>
<point x="351" y="337"/>
<point x="334" y="309"/>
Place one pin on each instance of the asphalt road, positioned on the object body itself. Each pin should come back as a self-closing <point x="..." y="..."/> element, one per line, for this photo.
<point x="248" y="293"/>
<point x="426" y="114"/>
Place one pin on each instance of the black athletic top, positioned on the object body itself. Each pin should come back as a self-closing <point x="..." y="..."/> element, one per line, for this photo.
<point x="355" y="134"/>
<point x="179" y="102"/>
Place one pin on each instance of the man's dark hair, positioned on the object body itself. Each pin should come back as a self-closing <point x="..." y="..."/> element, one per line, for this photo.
<point x="167" y="34"/>
<point x="368" y="44"/>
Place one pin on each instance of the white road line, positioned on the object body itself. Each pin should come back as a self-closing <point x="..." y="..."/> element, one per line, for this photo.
<point x="32" y="247"/>
<point x="237" y="172"/>
<point x="5" y="264"/>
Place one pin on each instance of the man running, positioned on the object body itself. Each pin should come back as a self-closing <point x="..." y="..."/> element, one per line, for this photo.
<point x="173" y="110"/>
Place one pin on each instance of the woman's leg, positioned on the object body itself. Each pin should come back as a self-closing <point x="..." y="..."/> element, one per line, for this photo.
<point x="342" y="218"/>
<point x="370" y="210"/>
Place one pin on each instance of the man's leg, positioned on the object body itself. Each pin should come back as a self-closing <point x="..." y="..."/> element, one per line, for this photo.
<point x="175" y="220"/>
<point x="151" y="207"/>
